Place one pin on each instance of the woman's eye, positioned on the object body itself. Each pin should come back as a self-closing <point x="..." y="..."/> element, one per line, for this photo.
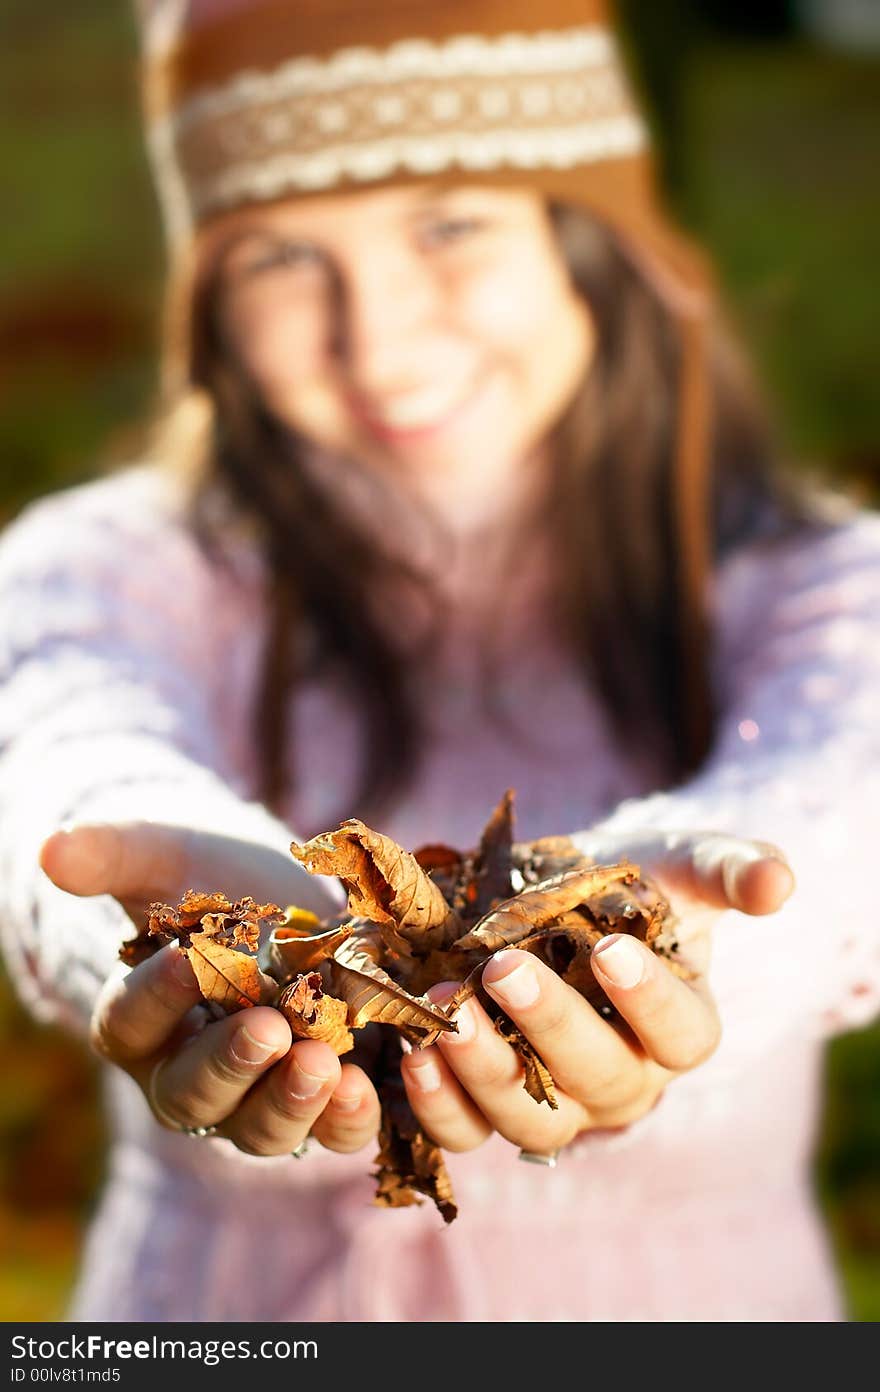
<point x="446" y="231"/>
<point x="295" y="256"/>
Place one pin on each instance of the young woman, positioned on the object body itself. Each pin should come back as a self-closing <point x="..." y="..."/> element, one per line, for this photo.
<point x="460" y="488"/>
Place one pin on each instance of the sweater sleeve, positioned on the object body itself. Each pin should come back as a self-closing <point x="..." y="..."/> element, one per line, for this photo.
<point x="796" y="762"/>
<point x="122" y="658"/>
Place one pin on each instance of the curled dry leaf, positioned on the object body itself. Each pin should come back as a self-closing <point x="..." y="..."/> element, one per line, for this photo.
<point x="537" y="1080"/>
<point x="538" y="906"/>
<point x="494" y="860"/>
<point x="218" y="937"/>
<point x="545" y="857"/>
<point x="371" y="994"/>
<point x="234" y="924"/>
<point x="635" y="904"/>
<point x="289" y="952"/>
<point x="312" y="1014"/>
<point x="560" y="921"/>
<point x="143" y="945"/>
<point x="438" y="859"/>
<point x="228" y="978"/>
<point x="385" y="884"/>
<point x="475" y="882"/>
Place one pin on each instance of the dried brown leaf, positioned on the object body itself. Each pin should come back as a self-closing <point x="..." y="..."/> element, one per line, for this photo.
<point x="229" y="978"/>
<point x="494" y="860"/>
<point x="635" y="907"/>
<point x="538" y="906"/>
<point x="289" y="952"/>
<point x="313" y="1014"/>
<point x="237" y="924"/>
<point x="371" y="994"/>
<point x="545" y="857"/>
<point x="143" y="945"/>
<point x="438" y="859"/>
<point x="537" y="1080"/>
<point x="211" y="930"/>
<point x="385" y="884"/>
<point x="173" y="922"/>
<point x="409" y="1162"/>
<point x="475" y="882"/>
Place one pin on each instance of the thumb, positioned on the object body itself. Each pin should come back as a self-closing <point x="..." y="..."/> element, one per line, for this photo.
<point x="130" y="862"/>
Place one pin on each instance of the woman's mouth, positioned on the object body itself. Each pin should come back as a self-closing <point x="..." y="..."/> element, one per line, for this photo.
<point x="416" y="415"/>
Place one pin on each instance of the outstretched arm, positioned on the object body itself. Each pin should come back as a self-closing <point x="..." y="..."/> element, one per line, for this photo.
<point x="796" y="764"/>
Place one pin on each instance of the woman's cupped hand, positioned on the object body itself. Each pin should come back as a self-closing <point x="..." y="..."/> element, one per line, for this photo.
<point x="242" y="1075"/>
<point x="607" y="1075"/>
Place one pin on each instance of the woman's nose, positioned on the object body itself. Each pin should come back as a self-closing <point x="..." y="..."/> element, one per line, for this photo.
<point x="387" y="308"/>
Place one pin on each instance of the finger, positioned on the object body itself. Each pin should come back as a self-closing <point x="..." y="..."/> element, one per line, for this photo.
<point x="440" y="1102"/>
<point x="202" y="1083"/>
<point x="491" y="1073"/>
<point x="751" y="876"/>
<point x="131" y="861"/>
<point x="278" y="1112"/>
<point x="726" y="872"/>
<point x="588" y="1058"/>
<point x="677" y="1025"/>
<point x="352" y="1116"/>
<point x="139" y="862"/>
<point x="138" y="1009"/>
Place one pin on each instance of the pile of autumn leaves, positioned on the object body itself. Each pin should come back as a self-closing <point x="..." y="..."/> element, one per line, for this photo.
<point x="412" y="920"/>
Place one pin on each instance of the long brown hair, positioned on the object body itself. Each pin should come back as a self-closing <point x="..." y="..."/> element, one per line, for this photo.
<point x="608" y="503"/>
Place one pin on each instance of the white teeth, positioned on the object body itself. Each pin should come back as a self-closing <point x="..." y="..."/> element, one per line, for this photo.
<point x="420" y="411"/>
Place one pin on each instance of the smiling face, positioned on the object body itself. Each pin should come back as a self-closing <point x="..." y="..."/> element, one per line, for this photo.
<point x="428" y="332"/>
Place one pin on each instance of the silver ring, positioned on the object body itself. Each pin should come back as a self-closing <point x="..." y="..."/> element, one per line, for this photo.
<point x="534" y="1158"/>
<point x="162" y="1117"/>
<point x="301" y="1149"/>
<point x="198" y="1130"/>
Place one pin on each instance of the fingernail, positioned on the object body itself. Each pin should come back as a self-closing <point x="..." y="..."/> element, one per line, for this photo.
<point x="620" y="959"/>
<point x="424" y="1071"/>
<point x="244" y="1048"/>
<point x="467" y="1026"/>
<point x="303" y="1085"/>
<point x="181" y="969"/>
<point x="440" y="993"/>
<point x="347" y="1104"/>
<point x="519" y="986"/>
<point x="748" y="876"/>
<point x="732" y="870"/>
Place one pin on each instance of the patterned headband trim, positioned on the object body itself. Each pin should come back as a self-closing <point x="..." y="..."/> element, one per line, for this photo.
<point x="553" y="99"/>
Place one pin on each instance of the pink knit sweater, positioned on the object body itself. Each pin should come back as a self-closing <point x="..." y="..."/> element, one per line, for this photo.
<point x="126" y="671"/>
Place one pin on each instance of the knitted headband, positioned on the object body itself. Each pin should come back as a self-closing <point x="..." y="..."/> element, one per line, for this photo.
<point x="248" y="101"/>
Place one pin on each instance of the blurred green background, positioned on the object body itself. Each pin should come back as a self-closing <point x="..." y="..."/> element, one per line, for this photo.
<point x="769" y="130"/>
